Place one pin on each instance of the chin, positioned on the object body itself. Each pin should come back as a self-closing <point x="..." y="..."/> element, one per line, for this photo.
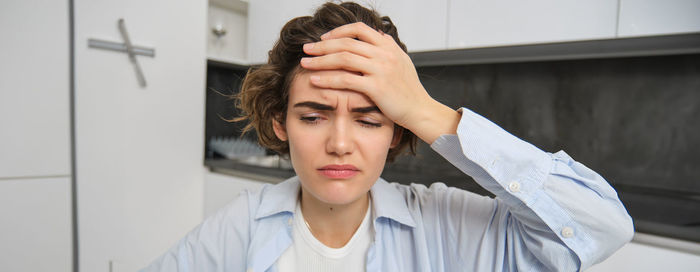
<point x="337" y="192"/>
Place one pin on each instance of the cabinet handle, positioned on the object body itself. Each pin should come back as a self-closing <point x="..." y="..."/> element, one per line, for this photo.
<point x="130" y="51"/>
<point x="126" y="47"/>
<point x="218" y="30"/>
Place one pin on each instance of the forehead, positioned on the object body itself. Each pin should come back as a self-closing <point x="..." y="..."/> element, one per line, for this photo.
<point x="301" y="90"/>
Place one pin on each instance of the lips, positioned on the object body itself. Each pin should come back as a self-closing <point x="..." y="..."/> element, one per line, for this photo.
<point x="339" y="171"/>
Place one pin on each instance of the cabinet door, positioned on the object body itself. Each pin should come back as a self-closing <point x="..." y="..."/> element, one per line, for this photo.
<point x="475" y="23"/>
<point x="265" y="20"/>
<point x="34" y="89"/>
<point x="422" y="25"/>
<point x="35" y="225"/>
<point x="139" y="149"/>
<point x="651" y="17"/>
<point x="230" y="47"/>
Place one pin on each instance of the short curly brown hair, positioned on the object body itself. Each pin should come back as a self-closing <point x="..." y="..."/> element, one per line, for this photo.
<point x="265" y="91"/>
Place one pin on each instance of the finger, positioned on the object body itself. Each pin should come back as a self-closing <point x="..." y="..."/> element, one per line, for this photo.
<point x="342" y="44"/>
<point x="340" y="80"/>
<point x="389" y="39"/>
<point x="342" y="60"/>
<point x="357" y="30"/>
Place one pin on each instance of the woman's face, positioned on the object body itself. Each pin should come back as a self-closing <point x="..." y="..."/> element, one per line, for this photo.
<point x="338" y="140"/>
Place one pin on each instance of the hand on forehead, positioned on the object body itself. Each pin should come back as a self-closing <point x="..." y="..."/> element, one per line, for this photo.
<point x="380" y="69"/>
<point x="303" y="90"/>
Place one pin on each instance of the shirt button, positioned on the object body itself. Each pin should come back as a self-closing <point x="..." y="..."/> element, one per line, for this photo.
<point x="567" y="232"/>
<point x="289" y="222"/>
<point x="514" y="187"/>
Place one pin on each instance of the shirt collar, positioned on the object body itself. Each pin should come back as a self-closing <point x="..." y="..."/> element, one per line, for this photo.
<point x="387" y="201"/>
<point x="281" y="197"/>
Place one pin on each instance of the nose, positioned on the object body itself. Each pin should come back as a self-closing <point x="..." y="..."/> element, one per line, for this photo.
<point x="340" y="139"/>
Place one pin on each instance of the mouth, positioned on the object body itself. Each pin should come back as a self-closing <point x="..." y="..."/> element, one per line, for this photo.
<point x="337" y="171"/>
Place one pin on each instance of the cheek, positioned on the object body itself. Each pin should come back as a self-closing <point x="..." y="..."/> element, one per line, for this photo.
<point x="302" y="142"/>
<point x="378" y="144"/>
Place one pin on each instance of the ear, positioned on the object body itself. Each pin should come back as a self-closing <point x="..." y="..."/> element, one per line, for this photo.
<point x="280" y="130"/>
<point x="398" y="131"/>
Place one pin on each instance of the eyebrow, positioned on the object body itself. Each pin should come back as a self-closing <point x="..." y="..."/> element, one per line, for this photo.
<point x="324" y="107"/>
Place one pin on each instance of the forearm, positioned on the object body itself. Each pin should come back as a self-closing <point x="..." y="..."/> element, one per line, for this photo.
<point x="433" y="120"/>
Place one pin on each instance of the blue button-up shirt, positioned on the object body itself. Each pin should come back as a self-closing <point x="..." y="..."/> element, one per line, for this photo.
<point x="550" y="213"/>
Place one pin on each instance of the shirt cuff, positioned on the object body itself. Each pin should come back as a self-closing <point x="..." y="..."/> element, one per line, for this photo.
<point x="507" y="166"/>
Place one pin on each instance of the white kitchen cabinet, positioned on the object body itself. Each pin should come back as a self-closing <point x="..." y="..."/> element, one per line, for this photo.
<point x="652" y="17"/>
<point x="138" y="149"/>
<point x="422" y="25"/>
<point x="35" y="170"/>
<point x="36" y="224"/>
<point x="230" y="47"/>
<point x="220" y="189"/>
<point x="474" y="23"/>
<point x="265" y="20"/>
<point x="639" y="257"/>
<point x="34" y="89"/>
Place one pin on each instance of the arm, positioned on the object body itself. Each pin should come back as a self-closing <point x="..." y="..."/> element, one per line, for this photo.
<point x="549" y="212"/>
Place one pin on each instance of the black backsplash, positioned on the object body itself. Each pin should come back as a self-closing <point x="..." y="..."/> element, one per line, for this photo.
<point x="635" y="121"/>
<point x="222" y="83"/>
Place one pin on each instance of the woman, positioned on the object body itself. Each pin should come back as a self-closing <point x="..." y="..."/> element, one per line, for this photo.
<point x="343" y="103"/>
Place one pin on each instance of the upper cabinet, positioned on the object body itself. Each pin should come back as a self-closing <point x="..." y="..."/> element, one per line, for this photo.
<point x="421" y="24"/>
<point x="652" y="17"/>
<point x="227" y="25"/>
<point x="265" y="20"/>
<point x="474" y="23"/>
<point x="34" y="89"/>
<point x="458" y="24"/>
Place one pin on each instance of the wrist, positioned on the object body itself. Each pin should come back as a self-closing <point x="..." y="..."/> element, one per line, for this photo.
<point x="434" y="120"/>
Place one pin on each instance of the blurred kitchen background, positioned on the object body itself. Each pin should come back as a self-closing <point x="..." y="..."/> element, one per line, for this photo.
<point x="114" y="141"/>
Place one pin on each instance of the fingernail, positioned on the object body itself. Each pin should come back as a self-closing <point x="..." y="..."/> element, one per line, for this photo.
<point x="325" y="36"/>
<point x="309" y="46"/>
<point x="315" y="79"/>
<point x="305" y="61"/>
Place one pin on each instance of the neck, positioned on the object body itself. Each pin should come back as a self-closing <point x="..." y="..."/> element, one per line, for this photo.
<point x="331" y="224"/>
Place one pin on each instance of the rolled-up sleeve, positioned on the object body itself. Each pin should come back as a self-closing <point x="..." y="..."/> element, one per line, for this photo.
<point x="550" y="211"/>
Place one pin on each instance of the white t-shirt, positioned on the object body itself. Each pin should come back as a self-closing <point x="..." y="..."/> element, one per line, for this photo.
<point x="308" y="254"/>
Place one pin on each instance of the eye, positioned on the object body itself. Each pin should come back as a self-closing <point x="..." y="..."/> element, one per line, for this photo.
<point x="365" y="123"/>
<point x="310" y="119"/>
